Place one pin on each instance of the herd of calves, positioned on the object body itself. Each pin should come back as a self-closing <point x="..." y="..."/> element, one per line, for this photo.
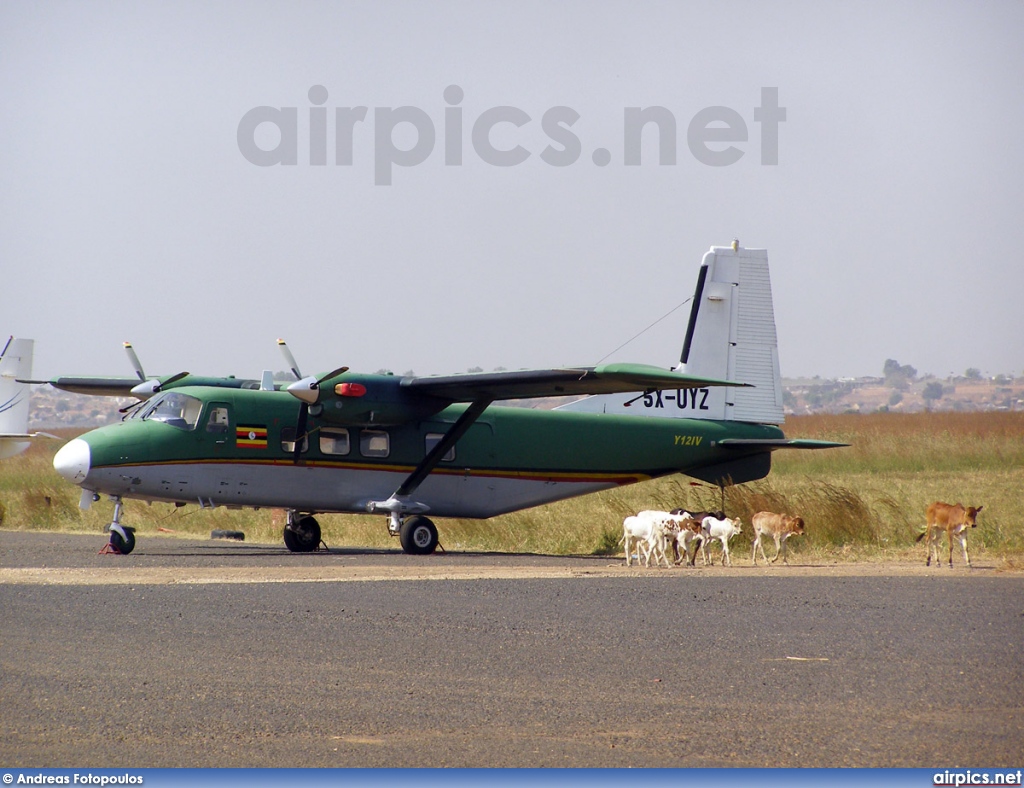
<point x="651" y="533"/>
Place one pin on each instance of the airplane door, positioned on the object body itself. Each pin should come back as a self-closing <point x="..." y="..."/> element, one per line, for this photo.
<point x="217" y="430"/>
<point x="221" y="483"/>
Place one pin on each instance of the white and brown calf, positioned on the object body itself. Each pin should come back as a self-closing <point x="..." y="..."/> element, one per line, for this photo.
<point x="688" y="540"/>
<point x="778" y="526"/>
<point x="649" y="532"/>
<point x="699" y="517"/>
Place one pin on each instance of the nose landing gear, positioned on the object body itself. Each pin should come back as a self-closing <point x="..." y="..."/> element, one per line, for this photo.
<point x="122" y="537"/>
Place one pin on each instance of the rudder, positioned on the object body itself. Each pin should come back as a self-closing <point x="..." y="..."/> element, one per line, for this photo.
<point x="15" y="364"/>
<point x="731" y="335"/>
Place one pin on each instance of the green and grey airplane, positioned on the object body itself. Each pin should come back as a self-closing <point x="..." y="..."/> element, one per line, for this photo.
<point x="412" y="446"/>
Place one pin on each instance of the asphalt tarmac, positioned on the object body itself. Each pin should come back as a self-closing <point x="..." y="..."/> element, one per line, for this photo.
<point x="203" y="653"/>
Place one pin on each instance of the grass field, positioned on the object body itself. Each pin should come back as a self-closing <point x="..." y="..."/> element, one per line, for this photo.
<point x="864" y="502"/>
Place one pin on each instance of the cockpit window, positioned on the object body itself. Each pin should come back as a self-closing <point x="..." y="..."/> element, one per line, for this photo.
<point x="178" y="410"/>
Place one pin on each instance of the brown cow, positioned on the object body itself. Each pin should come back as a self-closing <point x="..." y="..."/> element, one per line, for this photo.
<point x="954" y="521"/>
<point x="778" y="526"/>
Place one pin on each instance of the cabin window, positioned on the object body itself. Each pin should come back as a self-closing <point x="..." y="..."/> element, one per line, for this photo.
<point x="288" y="440"/>
<point x="434" y="438"/>
<point x="374" y="443"/>
<point x="334" y="441"/>
<point x="217" y="421"/>
<point x="178" y="410"/>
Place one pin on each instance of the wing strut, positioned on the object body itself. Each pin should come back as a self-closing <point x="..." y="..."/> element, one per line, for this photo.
<point x="399" y="505"/>
<point x="428" y="463"/>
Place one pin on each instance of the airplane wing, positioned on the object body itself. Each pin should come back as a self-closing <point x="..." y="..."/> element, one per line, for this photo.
<point x="102" y="387"/>
<point x="27" y="435"/>
<point x="524" y="384"/>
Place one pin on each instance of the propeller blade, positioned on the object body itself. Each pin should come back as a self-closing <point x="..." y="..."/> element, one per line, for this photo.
<point x="331" y="374"/>
<point x="136" y="365"/>
<point x="290" y="359"/>
<point x="172" y="379"/>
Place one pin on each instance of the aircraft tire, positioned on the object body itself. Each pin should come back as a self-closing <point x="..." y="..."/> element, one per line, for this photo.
<point x="418" y="536"/>
<point x="303" y="536"/>
<point x="120" y="544"/>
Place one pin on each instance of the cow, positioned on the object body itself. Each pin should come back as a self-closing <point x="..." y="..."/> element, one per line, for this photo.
<point x="723" y="529"/>
<point x="778" y="526"/>
<point x="649" y="531"/>
<point x="954" y="520"/>
<point x="699" y="517"/>
<point x="688" y="540"/>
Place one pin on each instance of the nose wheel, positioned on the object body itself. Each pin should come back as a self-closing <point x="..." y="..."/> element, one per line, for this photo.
<point x="122" y="537"/>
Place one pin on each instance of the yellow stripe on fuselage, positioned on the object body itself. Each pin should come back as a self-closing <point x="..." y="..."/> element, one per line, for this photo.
<point x="538" y="475"/>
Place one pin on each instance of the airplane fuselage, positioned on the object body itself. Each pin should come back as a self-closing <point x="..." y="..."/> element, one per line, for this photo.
<point x="236" y="448"/>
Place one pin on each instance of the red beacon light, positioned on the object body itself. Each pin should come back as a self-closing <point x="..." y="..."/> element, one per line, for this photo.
<point x="350" y="389"/>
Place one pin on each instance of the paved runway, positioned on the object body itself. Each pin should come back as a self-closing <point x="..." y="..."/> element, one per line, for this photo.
<point x="194" y="653"/>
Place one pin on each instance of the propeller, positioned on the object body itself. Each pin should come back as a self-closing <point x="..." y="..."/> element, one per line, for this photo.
<point x="307" y="391"/>
<point x="147" y="388"/>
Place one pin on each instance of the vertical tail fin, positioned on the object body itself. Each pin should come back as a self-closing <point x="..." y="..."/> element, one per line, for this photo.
<point x="730" y="336"/>
<point x="15" y="363"/>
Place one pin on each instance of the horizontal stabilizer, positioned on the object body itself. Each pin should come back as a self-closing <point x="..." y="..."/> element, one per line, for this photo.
<point x="778" y="443"/>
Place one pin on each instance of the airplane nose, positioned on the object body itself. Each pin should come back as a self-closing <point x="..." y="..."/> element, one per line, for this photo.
<point x="72" y="461"/>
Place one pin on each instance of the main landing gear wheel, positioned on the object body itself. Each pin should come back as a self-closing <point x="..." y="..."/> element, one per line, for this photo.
<point x="302" y="535"/>
<point x="418" y="535"/>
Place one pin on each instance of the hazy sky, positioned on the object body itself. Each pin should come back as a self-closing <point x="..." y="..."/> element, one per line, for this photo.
<point x="893" y="218"/>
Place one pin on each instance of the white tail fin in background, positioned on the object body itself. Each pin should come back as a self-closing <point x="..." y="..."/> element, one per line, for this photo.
<point x="730" y="336"/>
<point x="15" y="363"/>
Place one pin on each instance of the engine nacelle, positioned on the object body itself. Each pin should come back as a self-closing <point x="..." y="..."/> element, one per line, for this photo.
<point x="365" y="399"/>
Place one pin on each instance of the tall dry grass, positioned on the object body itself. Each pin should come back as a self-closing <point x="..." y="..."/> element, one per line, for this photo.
<point x="864" y="501"/>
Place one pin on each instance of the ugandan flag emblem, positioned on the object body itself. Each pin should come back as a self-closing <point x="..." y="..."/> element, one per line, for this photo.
<point x="250" y="436"/>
